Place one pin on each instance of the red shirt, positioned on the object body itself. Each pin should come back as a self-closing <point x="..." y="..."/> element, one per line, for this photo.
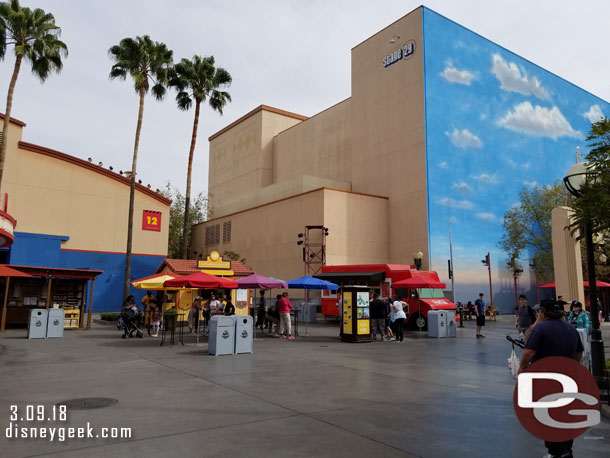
<point x="284" y="305"/>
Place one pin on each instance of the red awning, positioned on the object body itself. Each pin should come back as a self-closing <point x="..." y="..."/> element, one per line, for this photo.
<point x="58" y="272"/>
<point x="6" y="271"/>
<point x="200" y="280"/>
<point x="419" y="282"/>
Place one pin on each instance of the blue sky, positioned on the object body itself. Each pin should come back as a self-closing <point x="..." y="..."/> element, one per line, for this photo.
<point x="495" y="123"/>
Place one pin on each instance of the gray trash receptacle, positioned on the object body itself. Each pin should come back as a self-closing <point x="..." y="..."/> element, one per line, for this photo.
<point x="308" y="312"/>
<point x="37" y="327"/>
<point x="244" y="332"/>
<point x="55" y="324"/>
<point x="451" y="324"/>
<point x="222" y="335"/>
<point x="437" y="323"/>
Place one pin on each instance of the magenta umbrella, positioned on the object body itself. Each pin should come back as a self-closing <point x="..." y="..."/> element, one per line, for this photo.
<point x="260" y="282"/>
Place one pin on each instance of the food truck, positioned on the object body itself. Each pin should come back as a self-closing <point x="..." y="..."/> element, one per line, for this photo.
<point x="380" y="279"/>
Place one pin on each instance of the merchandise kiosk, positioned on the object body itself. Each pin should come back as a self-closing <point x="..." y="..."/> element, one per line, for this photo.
<point x="356" y="322"/>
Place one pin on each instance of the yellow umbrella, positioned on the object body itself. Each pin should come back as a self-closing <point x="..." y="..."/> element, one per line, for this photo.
<point x="155" y="283"/>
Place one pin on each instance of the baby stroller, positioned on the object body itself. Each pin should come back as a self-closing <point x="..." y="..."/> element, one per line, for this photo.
<point x="130" y="325"/>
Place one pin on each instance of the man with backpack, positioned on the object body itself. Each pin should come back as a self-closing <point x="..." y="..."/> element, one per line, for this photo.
<point x="525" y="315"/>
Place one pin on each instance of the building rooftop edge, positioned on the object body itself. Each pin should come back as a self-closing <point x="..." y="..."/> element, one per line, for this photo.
<point x="13" y="120"/>
<point x="90" y="166"/>
<point x="252" y="113"/>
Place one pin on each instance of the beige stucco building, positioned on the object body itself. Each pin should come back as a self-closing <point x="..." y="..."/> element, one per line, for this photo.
<point x="357" y="168"/>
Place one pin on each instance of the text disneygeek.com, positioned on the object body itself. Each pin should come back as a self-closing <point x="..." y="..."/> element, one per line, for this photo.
<point x="22" y="425"/>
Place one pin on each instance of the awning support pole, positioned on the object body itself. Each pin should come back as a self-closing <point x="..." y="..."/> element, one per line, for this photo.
<point x="90" y="305"/>
<point x="3" y="320"/>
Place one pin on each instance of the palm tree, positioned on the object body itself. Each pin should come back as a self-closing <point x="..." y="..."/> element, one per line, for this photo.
<point x="35" y="37"/>
<point x="199" y="80"/>
<point x="148" y="63"/>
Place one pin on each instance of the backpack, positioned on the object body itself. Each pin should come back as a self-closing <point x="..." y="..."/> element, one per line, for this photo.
<point x="531" y="313"/>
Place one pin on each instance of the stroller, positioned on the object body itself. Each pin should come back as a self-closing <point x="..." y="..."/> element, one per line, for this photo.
<point x="514" y="361"/>
<point x="130" y="325"/>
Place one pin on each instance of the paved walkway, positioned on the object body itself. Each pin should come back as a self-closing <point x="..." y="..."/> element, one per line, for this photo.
<point x="312" y="397"/>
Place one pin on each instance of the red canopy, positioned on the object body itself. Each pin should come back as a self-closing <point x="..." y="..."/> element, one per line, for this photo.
<point x="419" y="282"/>
<point x="200" y="280"/>
<point x="599" y="284"/>
<point x="6" y="271"/>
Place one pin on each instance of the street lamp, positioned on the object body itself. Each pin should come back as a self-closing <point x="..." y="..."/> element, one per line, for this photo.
<point x="417" y="257"/>
<point x="574" y="180"/>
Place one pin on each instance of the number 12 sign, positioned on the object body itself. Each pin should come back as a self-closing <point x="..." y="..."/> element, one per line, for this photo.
<point x="151" y="221"/>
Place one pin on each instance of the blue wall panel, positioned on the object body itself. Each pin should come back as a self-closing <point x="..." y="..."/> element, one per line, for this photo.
<point x="495" y="123"/>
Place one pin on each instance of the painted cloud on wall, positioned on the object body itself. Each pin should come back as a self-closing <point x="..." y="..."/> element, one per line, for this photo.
<point x="486" y="178"/>
<point x="452" y="203"/>
<point x="538" y="121"/>
<point x="462" y="187"/>
<point x="454" y="75"/>
<point x="594" y="114"/>
<point x="515" y="79"/>
<point x="464" y="139"/>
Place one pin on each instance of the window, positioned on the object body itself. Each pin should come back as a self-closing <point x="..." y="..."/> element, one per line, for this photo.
<point x="226" y="231"/>
<point x="212" y="234"/>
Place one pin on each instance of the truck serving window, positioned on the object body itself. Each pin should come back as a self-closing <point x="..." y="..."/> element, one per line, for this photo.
<point x="430" y="293"/>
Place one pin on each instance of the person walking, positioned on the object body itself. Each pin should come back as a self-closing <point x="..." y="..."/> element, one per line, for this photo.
<point x="229" y="308"/>
<point x="193" y="317"/>
<point x="260" y="312"/>
<point x="479" y="310"/>
<point x="578" y="318"/>
<point x="525" y="315"/>
<point x="388" y="320"/>
<point x="552" y="337"/>
<point x="399" y="318"/>
<point x="284" y="307"/>
<point x="378" y="313"/>
<point x="148" y="303"/>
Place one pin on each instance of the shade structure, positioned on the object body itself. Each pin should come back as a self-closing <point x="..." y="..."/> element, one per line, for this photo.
<point x="260" y="282"/>
<point x="153" y="282"/>
<point x="200" y="280"/>
<point x="308" y="282"/>
<point x="419" y="282"/>
<point x="598" y="284"/>
<point x="6" y="271"/>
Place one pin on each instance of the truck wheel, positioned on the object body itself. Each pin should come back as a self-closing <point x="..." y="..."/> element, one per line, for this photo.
<point x="420" y="322"/>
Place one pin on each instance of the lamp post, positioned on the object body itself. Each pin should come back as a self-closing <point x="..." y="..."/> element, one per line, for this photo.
<point x="574" y="180"/>
<point x="417" y="257"/>
<point x="487" y="263"/>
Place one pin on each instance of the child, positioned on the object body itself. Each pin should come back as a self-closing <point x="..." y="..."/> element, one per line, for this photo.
<point x="156" y="321"/>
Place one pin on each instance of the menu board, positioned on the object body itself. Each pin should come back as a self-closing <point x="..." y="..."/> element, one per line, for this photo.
<point x="347" y="312"/>
<point x="363" y="313"/>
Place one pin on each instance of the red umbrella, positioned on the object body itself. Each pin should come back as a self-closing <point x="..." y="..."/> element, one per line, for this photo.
<point x="418" y="282"/>
<point x="200" y="280"/>
<point x="599" y="284"/>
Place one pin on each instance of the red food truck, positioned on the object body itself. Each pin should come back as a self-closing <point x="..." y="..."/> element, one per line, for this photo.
<point x="424" y="291"/>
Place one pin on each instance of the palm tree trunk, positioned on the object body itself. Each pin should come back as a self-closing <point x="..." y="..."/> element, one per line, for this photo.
<point x="7" y="114"/>
<point x="187" y="200"/>
<point x="132" y="192"/>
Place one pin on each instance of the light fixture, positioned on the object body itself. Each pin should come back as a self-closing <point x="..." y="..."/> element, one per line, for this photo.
<point x="111" y="168"/>
<point x="148" y="185"/>
<point x="139" y="181"/>
<point x="417" y="257"/>
<point x="100" y="163"/>
<point x="89" y="159"/>
<point x="394" y="38"/>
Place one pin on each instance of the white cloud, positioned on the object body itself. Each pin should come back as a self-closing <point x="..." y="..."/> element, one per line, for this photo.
<point x="443" y="165"/>
<point x="462" y="187"/>
<point x="515" y="164"/>
<point x="454" y="75"/>
<point x="452" y="203"/>
<point x="464" y="139"/>
<point x="538" y="121"/>
<point x="487" y="216"/>
<point x="531" y="184"/>
<point x="515" y="79"/>
<point x="594" y="114"/>
<point x="486" y="178"/>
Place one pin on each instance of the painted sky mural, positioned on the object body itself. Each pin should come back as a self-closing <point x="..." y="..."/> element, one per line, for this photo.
<point x="495" y="123"/>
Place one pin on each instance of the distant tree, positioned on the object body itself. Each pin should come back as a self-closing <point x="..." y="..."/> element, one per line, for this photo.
<point x="35" y="38"/>
<point x="528" y="226"/>
<point x="148" y="63"/>
<point x="198" y="80"/>
<point x="233" y="256"/>
<point x="197" y="214"/>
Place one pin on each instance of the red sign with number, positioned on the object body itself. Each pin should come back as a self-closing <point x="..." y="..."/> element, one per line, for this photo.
<point x="151" y="221"/>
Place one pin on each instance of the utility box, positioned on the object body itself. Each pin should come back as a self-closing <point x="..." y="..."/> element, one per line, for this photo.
<point x="222" y="335"/>
<point x="244" y="333"/>
<point x="308" y="313"/>
<point x="437" y="324"/>
<point x="451" y="323"/>
<point x="37" y="327"/>
<point x="55" y="323"/>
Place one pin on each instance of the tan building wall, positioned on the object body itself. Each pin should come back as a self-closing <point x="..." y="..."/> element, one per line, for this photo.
<point x="266" y="236"/>
<point x="388" y="133"/>
<point x="54" y="193"/>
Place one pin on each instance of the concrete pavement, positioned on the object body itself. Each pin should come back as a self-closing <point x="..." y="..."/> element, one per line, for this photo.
<point x="314" y="396"/>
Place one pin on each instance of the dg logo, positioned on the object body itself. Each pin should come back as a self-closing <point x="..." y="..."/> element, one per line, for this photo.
<point x="556" y="399"/>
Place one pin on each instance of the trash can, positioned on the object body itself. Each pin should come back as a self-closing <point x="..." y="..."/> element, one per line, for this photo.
<point x="451" y="323"/>
<point x="37" y="327"/>
<point x="437" y="323"/>
<point x="222" y="335"/>
<point x="244" y="331"/>
<point x="55" y="324"/>
<point x="308" y="313"/>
